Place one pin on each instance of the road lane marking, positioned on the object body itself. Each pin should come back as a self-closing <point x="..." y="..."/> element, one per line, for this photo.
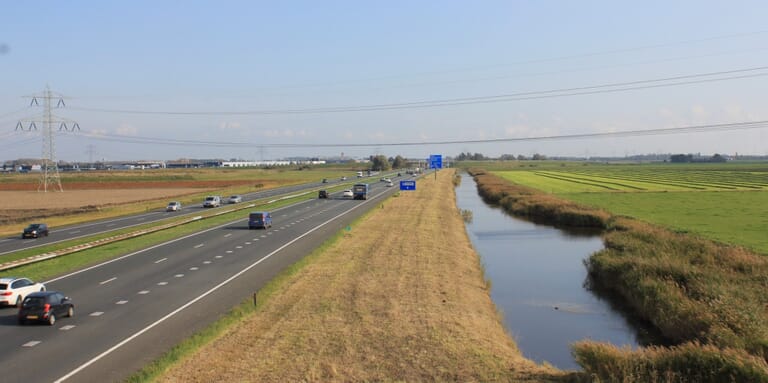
<point x="107" y="281"/>
<point x="162" y="283"/>
<point x="207" y="262"/>
<point x="193" y="268"/>
<point x="67" y="327"/>
<point x="199" y="246"/>
<point x="263" y="236"/>
<point x="161" y="260"/>
<point x="218" y="256"/>
<point x="238" y="247"/>
<point x="229" y="251"/>
<point x="31" y="343"/>
<point x="121" y="302"/>
<point x="96" y="313"/>
<point x="143" y="292"/>
<point x="227" y="235"/>
<point x="179" y="275"/>
<point x="247" y="243"/>
<point x="201" y="296"/>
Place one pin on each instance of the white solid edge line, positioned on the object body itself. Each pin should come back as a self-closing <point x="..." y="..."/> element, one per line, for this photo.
<point x="201" y="296"/>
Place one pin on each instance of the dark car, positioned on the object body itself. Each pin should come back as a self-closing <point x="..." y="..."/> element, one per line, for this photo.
<point x="322" y="194"/>
<point x="259" y="220"/>
<point x="45" y="306"/>
<point x="35" y="230"/>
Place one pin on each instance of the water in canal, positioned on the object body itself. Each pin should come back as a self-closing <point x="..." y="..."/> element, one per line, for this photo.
<point x="537" y="281"/>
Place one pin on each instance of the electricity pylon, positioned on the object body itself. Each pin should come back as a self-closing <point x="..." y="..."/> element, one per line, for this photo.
<point x="50" y="168"/>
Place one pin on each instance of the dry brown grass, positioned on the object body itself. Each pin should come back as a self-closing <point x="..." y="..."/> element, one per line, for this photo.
<point x="401" y="297"/>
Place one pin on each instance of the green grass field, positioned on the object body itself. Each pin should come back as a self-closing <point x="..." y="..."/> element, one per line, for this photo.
<point x="724" y="202"/>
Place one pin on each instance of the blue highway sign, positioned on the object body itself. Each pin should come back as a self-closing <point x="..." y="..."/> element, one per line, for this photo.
<point x="407" y="185"/>
<point x="436" y="161"/>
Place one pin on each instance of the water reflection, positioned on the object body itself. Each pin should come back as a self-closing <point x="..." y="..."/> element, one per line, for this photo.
<point x="538" y="276"/>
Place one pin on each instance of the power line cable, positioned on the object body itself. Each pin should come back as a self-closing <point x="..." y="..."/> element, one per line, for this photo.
<point x="629" y="133"/>
<point x="563" y="92"/>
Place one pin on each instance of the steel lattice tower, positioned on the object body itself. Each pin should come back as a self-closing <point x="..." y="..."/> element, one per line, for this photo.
<point x="49" y="168"/>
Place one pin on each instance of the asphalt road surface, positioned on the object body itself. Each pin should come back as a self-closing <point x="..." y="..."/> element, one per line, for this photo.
<point x="130" y="310"/>
<point x="61" y="234"/>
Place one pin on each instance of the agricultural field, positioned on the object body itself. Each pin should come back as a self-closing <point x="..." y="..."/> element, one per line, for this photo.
<point x="96" y="195"/>
<point x="725" y="202"/>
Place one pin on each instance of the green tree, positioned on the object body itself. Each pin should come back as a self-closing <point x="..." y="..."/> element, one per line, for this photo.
<point x="379" y="163"/>
<point x="399" y="162"/>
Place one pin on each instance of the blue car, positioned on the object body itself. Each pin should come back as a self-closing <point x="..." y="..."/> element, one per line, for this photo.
<point x="259" y="220"/>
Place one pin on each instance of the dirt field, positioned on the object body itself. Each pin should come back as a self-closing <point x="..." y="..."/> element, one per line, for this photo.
<point x="22" y="200"/>
<point x="401" y="297"/>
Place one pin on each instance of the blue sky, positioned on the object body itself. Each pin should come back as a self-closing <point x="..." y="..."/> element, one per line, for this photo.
<point x="274" y="58"/>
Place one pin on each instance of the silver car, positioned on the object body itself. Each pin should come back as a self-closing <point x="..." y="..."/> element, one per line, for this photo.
<point x="173" y="206"/>
<point x="235" y="199"/>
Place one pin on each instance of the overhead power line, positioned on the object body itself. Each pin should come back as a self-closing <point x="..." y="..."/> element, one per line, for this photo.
<point x="509" y="97"/>
<point x="628" y="133"/>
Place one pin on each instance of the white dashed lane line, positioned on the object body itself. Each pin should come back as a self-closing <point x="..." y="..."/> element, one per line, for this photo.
<point x="107" y="281"/>
<point x="193" y="268"/>
<point x="121" y="302"/>
<point x="67" y="327"/>
<point x="206" y="262"/>
<point x="179" y="275"/>
<point x="238" y="247"/>
<point x="31" y="343"/>
<point x="229" y="251"/>
<point x="143" y="292"/>
<point x="247" y="243"/>
<point x="161" y="260"/>
<point x="227" y="235"/>
<point x="162" y="283"/>
<point x="199" y="246"/>
<point x="96" y="313"/>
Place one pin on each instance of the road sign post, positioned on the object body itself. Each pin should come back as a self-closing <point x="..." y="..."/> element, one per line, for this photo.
<point x="435" y="162"/>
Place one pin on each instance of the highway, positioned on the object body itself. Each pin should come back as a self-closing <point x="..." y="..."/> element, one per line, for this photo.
<point x="130" y="310"/>
<point x="61" y="234"/>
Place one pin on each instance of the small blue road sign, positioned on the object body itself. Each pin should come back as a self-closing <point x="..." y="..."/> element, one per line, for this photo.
<point x="407" y="185"/>
<point x="436" y="161"/>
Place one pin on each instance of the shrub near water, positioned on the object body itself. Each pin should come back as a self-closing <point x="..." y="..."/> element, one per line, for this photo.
<point x="528" y="202"/>
<point x="688" y="288"/>
<point x="690" y="362"/>
<point x="707" y="297"/>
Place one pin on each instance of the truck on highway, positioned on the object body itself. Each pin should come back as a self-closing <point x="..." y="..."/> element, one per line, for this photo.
<point x="360" y="191"/>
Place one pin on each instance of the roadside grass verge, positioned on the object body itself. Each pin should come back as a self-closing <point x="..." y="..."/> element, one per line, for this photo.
<point x="152" y="371"/>
<point x="706" y="297"/>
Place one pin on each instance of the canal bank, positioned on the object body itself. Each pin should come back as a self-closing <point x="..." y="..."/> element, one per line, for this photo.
<point x="538" y="280"/>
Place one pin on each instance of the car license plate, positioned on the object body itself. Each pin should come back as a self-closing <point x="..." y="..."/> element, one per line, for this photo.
<point x="31" y="316"/>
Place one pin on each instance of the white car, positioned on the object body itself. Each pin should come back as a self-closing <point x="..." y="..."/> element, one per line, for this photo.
<point x="173" y="206"/>
<point x="347" y="193"/>
<point x="13" y="290"/>
<point x="235" y="199"/>
<point x="390" y="184"/>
